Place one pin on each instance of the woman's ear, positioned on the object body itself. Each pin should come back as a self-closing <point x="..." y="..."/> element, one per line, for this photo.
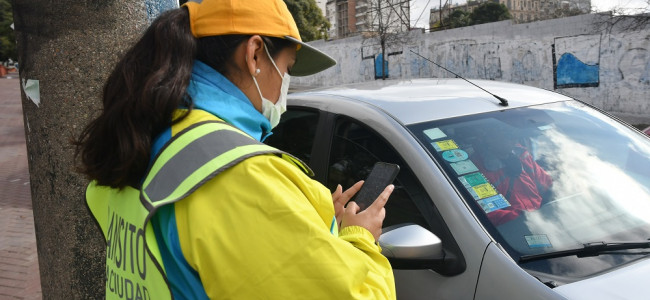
<point x="254" y="47"/>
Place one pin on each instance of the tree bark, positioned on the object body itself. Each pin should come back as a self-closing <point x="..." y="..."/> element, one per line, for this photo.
<point x="69" y="47"/>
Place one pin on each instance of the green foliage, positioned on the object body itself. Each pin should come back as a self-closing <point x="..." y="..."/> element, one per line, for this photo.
<point x="457" y="18"/>
<point x="489" y="12"/>
<point x="7" y="37"/>
<point x="484" y="13"/>
<point x="312" y="25"/>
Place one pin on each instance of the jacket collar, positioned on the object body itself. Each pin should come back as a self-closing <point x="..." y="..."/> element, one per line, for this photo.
<point x="214" y="93"/>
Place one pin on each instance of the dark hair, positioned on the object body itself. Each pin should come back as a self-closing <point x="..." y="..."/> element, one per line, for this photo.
<point x="228" y="44"/>
<point x="142" y="93"/>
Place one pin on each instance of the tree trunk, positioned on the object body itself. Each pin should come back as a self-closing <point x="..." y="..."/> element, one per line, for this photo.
<point x="69" y="48"/>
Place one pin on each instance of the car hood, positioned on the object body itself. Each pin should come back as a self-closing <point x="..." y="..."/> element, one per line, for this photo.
<point x="630" y="282"/>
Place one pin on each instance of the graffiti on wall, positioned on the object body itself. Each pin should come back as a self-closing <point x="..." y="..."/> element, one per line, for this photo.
<point x="467" y="58"/>
<point x="380" y="72"/>
<point x="492" y="65"/>
<point x="525" y="66"/>
<point x="457" y="57"/>
<point x="368" y="70"/>
<point x="634" y="66"/>
<point x="416" y="66"/>
<point x="460" y="58"/>
<point x="611" y="69"/>
<point x="576" y="61"/>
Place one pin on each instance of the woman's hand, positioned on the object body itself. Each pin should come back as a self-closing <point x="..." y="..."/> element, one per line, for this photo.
<point x="372" y="218"/>
<point x="340" y="198"/>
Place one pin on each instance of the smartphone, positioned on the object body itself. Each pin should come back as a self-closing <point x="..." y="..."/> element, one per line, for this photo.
<point x="380" y="177"/>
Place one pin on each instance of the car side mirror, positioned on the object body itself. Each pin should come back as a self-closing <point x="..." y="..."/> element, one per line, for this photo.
<point x="410" y="246"/>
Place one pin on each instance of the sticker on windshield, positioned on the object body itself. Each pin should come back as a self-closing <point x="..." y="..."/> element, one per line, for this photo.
<point x="435" y="133"/>
<point x="538" y="241"/>
<point x="454" y="155"/>
<point x="473" y="179"/>
<point x="484" y="190"/>
<point x="493" y="203"/>
<point x="464" y="167"/>
<point x="545" y="127"/>
<point x="444" y="145"/>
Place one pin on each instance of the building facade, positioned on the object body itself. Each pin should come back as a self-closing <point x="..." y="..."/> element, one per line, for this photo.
<point x="522" y="11"/>
<point x="321" y="5"/>
<point x="354" y="17"/>
<point x="534" y="10"/>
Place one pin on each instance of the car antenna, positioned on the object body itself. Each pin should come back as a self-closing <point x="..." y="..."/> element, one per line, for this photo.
<point x="503" y="102"/>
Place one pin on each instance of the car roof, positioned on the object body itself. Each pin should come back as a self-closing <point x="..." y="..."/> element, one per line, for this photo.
<point x="419" y="100"/>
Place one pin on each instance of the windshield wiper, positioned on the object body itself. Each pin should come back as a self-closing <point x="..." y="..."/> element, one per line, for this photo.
<point x="587" y="250"/>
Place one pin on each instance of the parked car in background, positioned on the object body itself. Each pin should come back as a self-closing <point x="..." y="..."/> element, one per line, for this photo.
<point x="545" y="198"/>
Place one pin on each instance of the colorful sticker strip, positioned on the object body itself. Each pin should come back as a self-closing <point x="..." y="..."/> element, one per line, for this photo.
<point x="493" y="203"/>
<point x="444" y="145"/>
<point x="435" y="133"/>
<point x="538" y="241"/>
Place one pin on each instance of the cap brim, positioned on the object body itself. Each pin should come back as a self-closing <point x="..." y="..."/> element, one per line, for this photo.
<point x="309" y="60"/>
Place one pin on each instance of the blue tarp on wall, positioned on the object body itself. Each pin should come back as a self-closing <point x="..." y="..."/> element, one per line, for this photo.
<point x="378" y="60"/>
<point x="571" y="72"/>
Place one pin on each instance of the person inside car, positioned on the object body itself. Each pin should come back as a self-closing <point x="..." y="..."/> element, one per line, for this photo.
<point x="511" y="169"/>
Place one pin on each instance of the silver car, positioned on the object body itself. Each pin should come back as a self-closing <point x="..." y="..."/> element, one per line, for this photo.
<point x="519" y="193"/>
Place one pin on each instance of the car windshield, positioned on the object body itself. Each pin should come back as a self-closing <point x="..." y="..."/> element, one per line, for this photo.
<point x="549" y="178"/>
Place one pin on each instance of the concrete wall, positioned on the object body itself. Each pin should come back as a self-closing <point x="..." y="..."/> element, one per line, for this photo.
<point x="585" y="57"/>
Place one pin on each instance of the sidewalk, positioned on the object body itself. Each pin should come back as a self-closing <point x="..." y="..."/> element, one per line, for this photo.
<point x="19" y="276"/>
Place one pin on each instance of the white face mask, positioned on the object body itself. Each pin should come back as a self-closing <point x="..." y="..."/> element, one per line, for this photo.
<point x="273" y="111"/>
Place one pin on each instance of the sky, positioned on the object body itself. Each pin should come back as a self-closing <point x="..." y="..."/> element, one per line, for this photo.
<point x="421" y="8"/>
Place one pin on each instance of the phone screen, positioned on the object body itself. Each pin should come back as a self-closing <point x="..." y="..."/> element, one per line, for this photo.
<point x="380" y="177"/>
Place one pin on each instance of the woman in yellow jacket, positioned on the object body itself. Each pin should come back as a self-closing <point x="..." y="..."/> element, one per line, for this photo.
<point x="256" y="228"/>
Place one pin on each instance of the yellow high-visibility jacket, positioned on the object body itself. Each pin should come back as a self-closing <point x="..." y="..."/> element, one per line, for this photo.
<point x="262" y="229"/>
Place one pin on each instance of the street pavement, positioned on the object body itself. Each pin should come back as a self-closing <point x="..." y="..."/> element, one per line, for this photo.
<point x="19" y="275"/>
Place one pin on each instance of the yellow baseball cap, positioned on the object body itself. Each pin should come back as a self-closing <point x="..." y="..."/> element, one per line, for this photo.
<point x="264" y="17"/>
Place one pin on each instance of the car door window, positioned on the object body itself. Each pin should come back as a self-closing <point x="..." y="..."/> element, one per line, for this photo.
<point x="354" y="151"/>
<point x="295" y="133"/>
